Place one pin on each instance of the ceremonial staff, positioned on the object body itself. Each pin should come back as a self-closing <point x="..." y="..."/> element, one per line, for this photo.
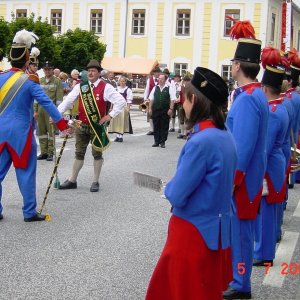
<point x="71" y="123"/>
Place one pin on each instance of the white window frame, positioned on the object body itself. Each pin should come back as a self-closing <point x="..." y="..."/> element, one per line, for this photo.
<point x="22" y="11"/>
<point x="183" y="11"/>
<point x="228" y="71"/>
<point x="138" y="11"/>
<point x="222" y="24"/>
<point x="97" y="19"/>
<point x="225" y="20"/>
<point x="57" y="11"/>
<point x="181" y="69"/>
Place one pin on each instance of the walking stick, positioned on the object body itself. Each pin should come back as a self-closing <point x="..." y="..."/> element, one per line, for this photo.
<point x="48" y="218"/>
<point x="71" y="123"/>
<point x="56" y="183"/>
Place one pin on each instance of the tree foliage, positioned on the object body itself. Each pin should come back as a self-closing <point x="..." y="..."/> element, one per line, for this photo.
<point x="72" y="50"/>
<point x="76" y="48"/>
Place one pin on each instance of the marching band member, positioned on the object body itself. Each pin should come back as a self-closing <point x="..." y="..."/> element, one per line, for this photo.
<point x="93" y="96"/>
<point x="293" y="82"/>
<point x="247" y="119"/>
<point x="17" y="142"/>
<point x="275" y="176"/>
<point x="195" y="262"/>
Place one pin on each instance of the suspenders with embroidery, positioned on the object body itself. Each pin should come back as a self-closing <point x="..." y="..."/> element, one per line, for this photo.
<point x="10" y="89"/>
<point x="101" y="140"/>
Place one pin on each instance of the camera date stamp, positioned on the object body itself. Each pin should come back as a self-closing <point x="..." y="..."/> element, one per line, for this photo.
<point x="291" y="268"/>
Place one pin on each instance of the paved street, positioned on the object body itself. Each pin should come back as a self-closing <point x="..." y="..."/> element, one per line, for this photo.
<point x="105" y="245"/>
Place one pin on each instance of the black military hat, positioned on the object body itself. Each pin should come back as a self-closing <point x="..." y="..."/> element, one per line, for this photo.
<point x="248" y="50"/>
<point x="19" y="53"/>
<point x="295" y="73"/>
<point x="211" y="85"/>
<point x="48" y="65"/>
<point x="94" y="64"/>
<point x="273" y="77"/>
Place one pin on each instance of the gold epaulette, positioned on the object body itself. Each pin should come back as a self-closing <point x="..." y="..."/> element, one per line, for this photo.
<point x="34" y="78"/>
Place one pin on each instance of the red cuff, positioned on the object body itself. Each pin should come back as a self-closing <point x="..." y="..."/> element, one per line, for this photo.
<point x="239" y="177"/>
<point x="62" y="124"/>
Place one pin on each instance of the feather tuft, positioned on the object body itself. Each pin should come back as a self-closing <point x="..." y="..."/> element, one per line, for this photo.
<point x="270" y="56"/>
<point x="285" y="62"/>
<point x="35" y="52"/>
<point x="25" y="37"/>
<point x="241" y="29"/>
<point x="293" y="57"/>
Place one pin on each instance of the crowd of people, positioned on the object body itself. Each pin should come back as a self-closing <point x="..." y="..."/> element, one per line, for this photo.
<point x="231" y="183"/>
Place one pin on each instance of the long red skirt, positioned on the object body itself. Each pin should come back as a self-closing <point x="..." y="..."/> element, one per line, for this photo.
<point x="187" y="269"/>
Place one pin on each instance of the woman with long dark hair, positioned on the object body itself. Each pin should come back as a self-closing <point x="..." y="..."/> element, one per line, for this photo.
<point x="196" y="261"/>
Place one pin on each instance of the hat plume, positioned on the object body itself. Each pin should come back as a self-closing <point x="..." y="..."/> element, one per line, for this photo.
<point x="35" y="52"/>
<point x="270" y="56"/>
<point x="241" y="29"/>
<point x="25" y="37"/>
<point x="293" y="57"/>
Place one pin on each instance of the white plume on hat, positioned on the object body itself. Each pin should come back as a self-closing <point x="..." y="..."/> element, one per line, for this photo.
<point x="25" y="37"/>
<point x="35" y="52"/>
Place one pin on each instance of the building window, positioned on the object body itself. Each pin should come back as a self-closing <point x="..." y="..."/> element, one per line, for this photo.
<point x="226" y="72"/>
<point x="234" y="14"/>
<point x="273" y="22"/>
<point x="21" y="13"/>
<point x="180" y="68"/>
<point x="183" y="20"/>
<point x="138" y="22"/>
<point x="56" y="19"/>
<point x="96" y="21"/>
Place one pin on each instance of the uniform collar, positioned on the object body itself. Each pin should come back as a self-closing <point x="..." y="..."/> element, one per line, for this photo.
<point x="246" y="88"/>
<point x="202" y="125"/>
<point x="95" y="83"/>
<point x="275" y="101"/>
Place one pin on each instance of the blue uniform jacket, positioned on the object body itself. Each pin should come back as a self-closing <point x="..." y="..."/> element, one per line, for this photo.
<point x="276" y="162"/>
<point x="286" y="147"/>
<point x="200" y="192"/>
<point x="248" y="120"/>
<point x="16" y="121"/>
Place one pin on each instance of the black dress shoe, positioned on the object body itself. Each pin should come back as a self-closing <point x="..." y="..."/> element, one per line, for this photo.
<point x="172" y="130"/>
<point x="1" y="217"/>
<point x="181" y="136"/>
<point x="50" y="158"/>
<point x="155" y="145"/>
<point x="67" y="185"/>
<point x="262" y="263"/>
<point x="231" y="293"/>
<point x="36" y="218"/>
<point x="116" y="139"/>
<point x="179" y="131"/>
<point x="291" y="186"/>
<point x="42" y="156"/>
<point x="150" y="133"/>
<point x="121" y="140"/>
<point x="163" y="145"/>
<point x="94" y="187"/>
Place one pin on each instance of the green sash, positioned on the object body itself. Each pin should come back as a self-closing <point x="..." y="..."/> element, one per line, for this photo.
<point x="101" y="140"/>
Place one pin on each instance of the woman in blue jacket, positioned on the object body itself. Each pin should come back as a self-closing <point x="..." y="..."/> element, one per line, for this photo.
<point x="195" y="262"/>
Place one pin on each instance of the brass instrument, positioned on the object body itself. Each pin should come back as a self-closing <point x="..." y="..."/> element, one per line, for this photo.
<point x="295" y="159"/>
<point x="144" y="107"/>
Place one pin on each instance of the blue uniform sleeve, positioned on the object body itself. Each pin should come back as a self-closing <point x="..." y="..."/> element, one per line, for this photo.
<point x="273" y="129"/>
<point x="245" y="130"/>
<point x="41" y="97"/>
<point x="190" y="172"/>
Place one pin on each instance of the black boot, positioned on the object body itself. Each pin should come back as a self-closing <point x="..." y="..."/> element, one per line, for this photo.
<point x="94" y="187"/>
<point x="42" y="156"/>
<point x="231" y="293"/>
<point x="36" y="218"/>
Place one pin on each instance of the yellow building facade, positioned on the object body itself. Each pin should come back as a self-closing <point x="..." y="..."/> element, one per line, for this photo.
<point x="180" y="34"/>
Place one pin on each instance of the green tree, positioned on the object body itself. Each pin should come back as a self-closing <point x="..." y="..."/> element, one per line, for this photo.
<point x="76" y="48"/>
<point x="46" y="42"/>
<point x="4" y="38"/>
